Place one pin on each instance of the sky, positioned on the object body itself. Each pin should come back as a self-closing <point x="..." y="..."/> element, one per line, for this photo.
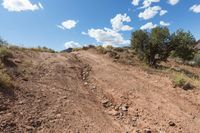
<point x="60" y="24"/>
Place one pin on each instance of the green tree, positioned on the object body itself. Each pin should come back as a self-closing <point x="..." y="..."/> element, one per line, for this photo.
<point x="159" y="45"/>
<point x="139" y="41"/>
<point x="183" y="44"/>
<point x="154" y="46"/>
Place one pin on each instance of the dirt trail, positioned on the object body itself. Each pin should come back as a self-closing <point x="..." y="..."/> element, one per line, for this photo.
<point x="54" y="100"/>
<point x="153" y="102"/>
<point x="88" y="92"/>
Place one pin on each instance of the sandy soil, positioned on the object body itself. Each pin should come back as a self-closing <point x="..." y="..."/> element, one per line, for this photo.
<point x="86" y="92"/>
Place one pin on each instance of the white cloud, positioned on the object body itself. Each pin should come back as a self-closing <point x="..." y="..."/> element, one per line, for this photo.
<point x="83" y="33"/>
<point x="40" y="5"/>
<point x="149" y="12"/>
<point x="162" y="23"/>
<point x="173" y="2"/>
<point x="68" y="24"/>
<point x="118" y="22"/>
<point x="147" y="26"/>
<point x="195" y="8"/>
<point x="163" y="12"/>
<point x="147" y="3"/>
<point x="20" y="5"/>
<point x="72" y="44"/>
<point x="135" y="2"/>
<point x="107" y="36"/>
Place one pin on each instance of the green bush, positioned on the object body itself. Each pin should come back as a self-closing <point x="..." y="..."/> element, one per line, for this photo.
<point x="109" y="48"/>
<point x="5" y="80"/>
<point x="101" y="49"/>
<point x="197" y="59"/>
<point x="179" y="81"/>
<point x="5" y="53"/>
<point x="43" y="49"/>
<point x="76" y="49"/>
<point x="118" y="49"/>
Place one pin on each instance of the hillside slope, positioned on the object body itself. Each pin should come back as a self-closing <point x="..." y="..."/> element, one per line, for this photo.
<point x="87" y="92"/>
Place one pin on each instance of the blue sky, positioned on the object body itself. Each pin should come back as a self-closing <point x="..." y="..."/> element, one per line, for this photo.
<point x="73" y="23"/>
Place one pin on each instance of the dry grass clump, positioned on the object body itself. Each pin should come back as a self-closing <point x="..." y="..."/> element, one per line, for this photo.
<point x="183" y="81"/>
<point x="5" y="80"/>
<point x="5" y="53"/>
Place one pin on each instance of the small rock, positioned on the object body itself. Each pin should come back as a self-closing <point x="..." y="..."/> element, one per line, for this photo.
<point x="25" y="78"/>
<point x="117" y="107"/>
<point x="36" y="124"/>
<point x="147" y="130"/>
<point x="177" y="69"/>
<point x="21" y="102"/>
<point x="188" y="86"/>
<point x="3" y="108"/>
<point x="121" y="114"/>
<point x="86" y="83"/>
<point x="172" y="124"/>
<point x="134" y="119"/>
<point x="115" y="60"/>
<point x="125" y="107"/>
<point x="137" y="131"/>
<point x="105" y="101"/>
<point x="28" y="127"/>
<point x="113" y="113"/>
<point x="94" y="87"/>
<point x="58" y="116"/>
<point x="17" y="61"/>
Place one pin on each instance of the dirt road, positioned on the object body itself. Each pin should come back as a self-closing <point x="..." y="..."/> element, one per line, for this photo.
<point x="88" y="92"/>
<point x="152" y="100"/>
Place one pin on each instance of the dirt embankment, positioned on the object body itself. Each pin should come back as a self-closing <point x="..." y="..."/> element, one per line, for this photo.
<point x="88" y="92"/>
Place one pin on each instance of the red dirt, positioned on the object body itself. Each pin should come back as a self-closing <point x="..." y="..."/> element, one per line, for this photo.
<point x="87" y="92"/>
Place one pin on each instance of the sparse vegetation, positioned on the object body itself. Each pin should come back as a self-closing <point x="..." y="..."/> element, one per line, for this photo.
<point x="197" y="59"/>
<point x="43" y="49"/>
<point x="76" y="49"/>
<point x="101" y="50"/>
<point x="179" y="81"/>
<point x="5" y="53"/>
<point x="5" y="80"/>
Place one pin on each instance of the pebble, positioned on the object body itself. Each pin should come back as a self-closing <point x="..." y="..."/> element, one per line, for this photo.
<point x="172" y="124"/>
<point x="105" y="101"/>
<point x="113" y="113"/>
<point x="147" y="130"/>
<point x="125" y="107"/>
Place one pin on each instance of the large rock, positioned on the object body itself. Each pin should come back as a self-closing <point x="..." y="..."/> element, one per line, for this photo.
<point x="188" y="86"/>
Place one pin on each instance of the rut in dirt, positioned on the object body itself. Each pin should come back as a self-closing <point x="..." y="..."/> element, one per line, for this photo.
<point x="53" y="98"/>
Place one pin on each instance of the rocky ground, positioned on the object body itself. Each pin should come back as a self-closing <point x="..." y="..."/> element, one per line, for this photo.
<point x="86" y="92"/>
